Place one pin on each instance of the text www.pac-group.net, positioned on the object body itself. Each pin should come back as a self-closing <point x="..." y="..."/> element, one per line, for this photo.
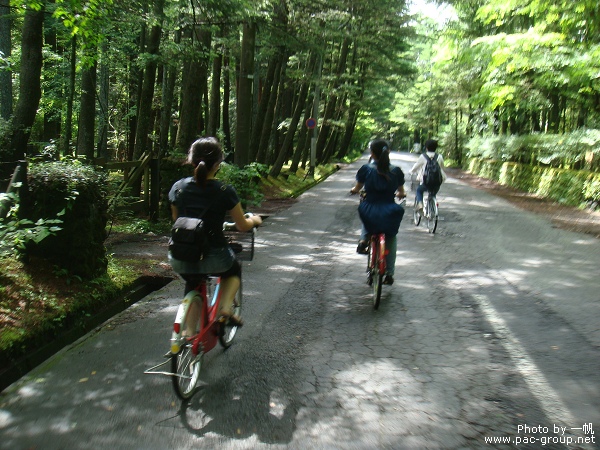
<point x="546" y="435"/>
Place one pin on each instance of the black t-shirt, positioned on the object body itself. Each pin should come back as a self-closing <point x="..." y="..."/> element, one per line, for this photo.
<point x="192" y="200"/>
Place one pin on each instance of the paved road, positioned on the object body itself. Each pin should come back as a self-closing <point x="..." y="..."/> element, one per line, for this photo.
<point x="491" y="331"/>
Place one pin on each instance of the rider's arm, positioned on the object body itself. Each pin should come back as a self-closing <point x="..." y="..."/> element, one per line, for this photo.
<point x="242" y="222"/>
<point x="357" y="187"/>
<point x="417" y="166"/>
<point x="441" y="163"/>
<point x="174" y="212"/>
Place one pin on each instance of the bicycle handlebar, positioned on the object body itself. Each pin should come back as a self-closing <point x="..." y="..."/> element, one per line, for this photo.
<point x="231" y="226"/>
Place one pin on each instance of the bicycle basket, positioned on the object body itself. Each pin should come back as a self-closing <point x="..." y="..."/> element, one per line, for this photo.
<point x="242" y="243"/>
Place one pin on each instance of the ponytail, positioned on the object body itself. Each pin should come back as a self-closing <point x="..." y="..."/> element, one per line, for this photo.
<point x="200" y="173"/>
<point x="381" y="150"/>
<point x="383" y="164"/>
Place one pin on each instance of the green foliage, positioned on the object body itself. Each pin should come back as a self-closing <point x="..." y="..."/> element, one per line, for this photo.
<point x="142" y="226"/>
<point x="16" y="234"/>
<point x="570" y="187"/>
<point x="245" y="180"/>
<point x="565" y="150"/>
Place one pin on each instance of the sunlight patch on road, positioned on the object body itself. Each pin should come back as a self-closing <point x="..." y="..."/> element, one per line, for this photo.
<point x="554" y="408"/>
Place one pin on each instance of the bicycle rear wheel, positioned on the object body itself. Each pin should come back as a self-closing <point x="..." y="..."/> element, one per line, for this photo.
<point x="432" y="214"/>
<point x="377" y="283"/>
<point x="378" y="271"/>
<point x="185" y="366"/>
<point x="228" y="331"/>
<point x="416" y="214"/>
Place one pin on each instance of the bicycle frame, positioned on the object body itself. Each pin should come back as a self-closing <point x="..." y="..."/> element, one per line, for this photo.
<point x="206" y="338"/>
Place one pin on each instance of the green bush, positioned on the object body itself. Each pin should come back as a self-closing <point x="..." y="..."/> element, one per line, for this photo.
<point x="80" y="191"/>
<point x="572" y="187"/>
<point x="577" y="150"/>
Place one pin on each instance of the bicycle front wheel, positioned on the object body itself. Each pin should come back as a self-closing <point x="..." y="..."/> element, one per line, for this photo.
<point x="228" y="331"/>
<point x="432" y="214"/>
<point x="416" y="215"/>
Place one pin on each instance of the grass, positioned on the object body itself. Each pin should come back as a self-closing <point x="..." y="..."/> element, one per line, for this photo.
<point x="38" y="301"/>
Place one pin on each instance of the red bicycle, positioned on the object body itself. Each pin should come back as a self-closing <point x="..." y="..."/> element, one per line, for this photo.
<point x="376" y="266"/>
<point x="188" y="347"/>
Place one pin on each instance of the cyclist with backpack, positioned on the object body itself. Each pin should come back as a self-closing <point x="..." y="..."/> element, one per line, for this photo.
<point x="430" y="171"/>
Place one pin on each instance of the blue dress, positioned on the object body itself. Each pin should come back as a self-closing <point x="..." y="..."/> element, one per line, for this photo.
<point x="378" y="211"/>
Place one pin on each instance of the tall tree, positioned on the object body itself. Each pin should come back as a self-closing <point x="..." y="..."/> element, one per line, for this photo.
<point x="244" y="95"/>
<point x="87" y="113"/>
<point x="144" y="122"/>
<point x="6" y="96"/>
<point x="30" y="90"/>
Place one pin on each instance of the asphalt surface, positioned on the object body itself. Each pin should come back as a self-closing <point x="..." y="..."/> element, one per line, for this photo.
<point x="491" y="331"/>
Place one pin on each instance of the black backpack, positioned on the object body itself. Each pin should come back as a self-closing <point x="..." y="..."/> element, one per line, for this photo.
<point x="432" y="176"/>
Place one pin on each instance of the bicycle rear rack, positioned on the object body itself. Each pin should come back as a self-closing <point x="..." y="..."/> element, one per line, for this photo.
<point x="152" y="370"/>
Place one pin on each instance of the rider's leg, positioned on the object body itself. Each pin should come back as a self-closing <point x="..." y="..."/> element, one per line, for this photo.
<point x="419" y="196"/>
<point x="363" y="242"/>
<point x="229" y="287"/>
<point x="391" y="245"/>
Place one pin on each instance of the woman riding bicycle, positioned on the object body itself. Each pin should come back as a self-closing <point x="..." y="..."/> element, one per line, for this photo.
<point x="378" y="211"/>
<point x="203" y="196"/>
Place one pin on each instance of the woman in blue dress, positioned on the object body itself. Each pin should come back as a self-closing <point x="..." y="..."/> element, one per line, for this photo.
<point x="379" y="211"/>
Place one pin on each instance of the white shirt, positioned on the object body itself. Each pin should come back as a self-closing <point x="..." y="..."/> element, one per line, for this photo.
<point x="419" y="166"/>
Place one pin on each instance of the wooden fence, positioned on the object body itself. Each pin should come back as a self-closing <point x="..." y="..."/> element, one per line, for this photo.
<point x="141" y="176"/>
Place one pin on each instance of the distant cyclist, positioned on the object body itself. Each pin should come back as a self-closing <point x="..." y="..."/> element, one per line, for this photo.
<point x="429" y="158"/>
<point x="378" y="211"/>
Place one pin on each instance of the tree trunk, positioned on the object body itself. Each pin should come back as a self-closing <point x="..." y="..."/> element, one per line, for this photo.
<point x="135" y="92"/>
<point x="244" y="96"/>
<point x="226" y="121"/>
<point x="214" y="113"/>
<point x="68" y="133"/>
<point x="268" y="118"/>
<point x="87" y="113"/>
<point x="6" y="99"/>
<point x="299" y="153"/>
<point x="263" y="103"/>
<point x="286" y="147"/>
<point x="192" y="88"/>
<point x="30" y="90"/>
<point x="52" y="84"/>
<point x="331" y="104"/>
<point x="102" y="141"/>
<point x="144" y="122"/>
<point x="168" y="97"/>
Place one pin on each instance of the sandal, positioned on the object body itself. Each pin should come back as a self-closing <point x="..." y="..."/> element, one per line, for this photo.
<point x="363" y="248"/>
<point x="235" y="321"/>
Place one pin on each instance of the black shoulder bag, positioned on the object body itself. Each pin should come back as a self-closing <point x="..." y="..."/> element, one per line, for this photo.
<point x="189" y="241"/>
